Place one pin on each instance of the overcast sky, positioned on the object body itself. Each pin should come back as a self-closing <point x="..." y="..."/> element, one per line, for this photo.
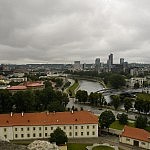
<point x="62" y="31"/>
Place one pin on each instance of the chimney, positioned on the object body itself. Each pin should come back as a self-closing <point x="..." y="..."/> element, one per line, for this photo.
<point x="72" y="111"/>
<point x="22" y="114"/>
<point x="47" y="112"/>
<point x="11" y="114"/>
<point x="54" y="112"/>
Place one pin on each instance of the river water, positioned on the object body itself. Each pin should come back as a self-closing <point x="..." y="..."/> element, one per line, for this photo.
<point x="88" y="86"/>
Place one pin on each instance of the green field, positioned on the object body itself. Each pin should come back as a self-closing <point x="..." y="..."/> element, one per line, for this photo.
<point x="118" y="126"/>
<point x="72" y="89"/>
<point x="103" y="148"/>
<point x="77" y="146"/>
<point x="143" y="96"/>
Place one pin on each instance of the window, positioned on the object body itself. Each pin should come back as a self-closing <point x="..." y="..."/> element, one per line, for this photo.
<point x="127" y="139"/>
<point x="70" y="133"/>
<point x="87" y="127"/>
<point x="16" y="135"/>
<point x="28" y="135"/>
<point x="93" y="127"/>
<point x="45" y="128"/>
<point x="87" y="133"/>
<point x="82" y="133"/>
<point x="39" y="128"/>
<point x="70" y="127"/>
<point x="81" y="127"/>
<point x="40" y="134"/>
<point x="142" y="143"/>
<point x="93" y="133"/>
<point x="45" y="134"/>
<point x="33" y="134"/>
<point x="5" y="129"/>
<point x="15" y="129"/>
<point x="22" y="135"/>
<point x="33" y="128"/>
<point x="76" y="134"/>
<point x="64" y="127"/>
<point x="5" y="136"/>
<point x="51" y="128"/>
<point x="28" y="128"/>
<point x="76" y="127"/>
<point x="21" y="129"/>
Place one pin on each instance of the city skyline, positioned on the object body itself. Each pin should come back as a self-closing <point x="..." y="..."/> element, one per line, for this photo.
<point x="37" y="31"/>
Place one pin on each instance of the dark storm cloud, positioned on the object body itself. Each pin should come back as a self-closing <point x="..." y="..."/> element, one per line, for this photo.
<point x="61" y="31"/>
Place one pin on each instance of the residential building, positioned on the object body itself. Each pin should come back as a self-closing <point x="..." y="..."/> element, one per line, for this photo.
<point x="131" y="82"/>
<point x="21" y="126"/>
<point x="77" y="66"/>
<point x="135" y="136"/>
<point x="97" y="64"/>
<point x="38" y="85"/>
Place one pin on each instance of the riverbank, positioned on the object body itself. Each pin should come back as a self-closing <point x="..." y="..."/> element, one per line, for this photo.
<point x="72" y="89"/>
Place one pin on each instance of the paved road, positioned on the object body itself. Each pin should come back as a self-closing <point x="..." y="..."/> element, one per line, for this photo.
<point x="96" y="110"/>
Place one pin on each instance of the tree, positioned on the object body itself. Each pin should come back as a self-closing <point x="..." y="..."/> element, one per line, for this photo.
<point x="106" y="119"/>
<point x="58" y="136"/>
<point x="141" y="122"/>
<point x="123" y="119"/>
<point x="136" y="85"/>
<point x="127" y="103"/>
<point x="139" y="105"/>
<point x="82" y="96"/>
<point x="117" y="81"/>
<point x="115" y="101"/>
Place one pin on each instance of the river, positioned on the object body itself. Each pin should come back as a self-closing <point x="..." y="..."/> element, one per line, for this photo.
<point x="89" y="86"/>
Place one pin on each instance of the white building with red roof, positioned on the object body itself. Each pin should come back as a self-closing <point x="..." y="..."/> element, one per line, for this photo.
<point x="39" y="85"/>
<point x="135" y="136"/>
<point x="21" y="126"/>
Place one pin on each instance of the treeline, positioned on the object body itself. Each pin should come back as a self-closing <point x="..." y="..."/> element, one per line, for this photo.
<point x="96" y="99"/>
<point x="141" y="102"/>
<point x="32" y="101"/>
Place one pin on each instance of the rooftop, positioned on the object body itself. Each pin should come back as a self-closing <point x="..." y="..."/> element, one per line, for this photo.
<point x="18" y="87"/>
<point x="136" y="133"/>
<point x="34" y="84"/>
<point x="45" y="118"/>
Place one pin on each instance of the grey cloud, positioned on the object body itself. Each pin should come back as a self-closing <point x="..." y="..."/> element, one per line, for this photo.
<point x="62" y="31"/>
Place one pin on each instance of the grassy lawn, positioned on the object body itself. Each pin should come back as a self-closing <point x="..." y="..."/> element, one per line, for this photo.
<point x="147" y="128"/>
<point x="77" y="146"/>
<point x="72" y="88"/>
<point x="103" y="148"/>
<point x="118" y="126"/>
<point x="143" y="96"/>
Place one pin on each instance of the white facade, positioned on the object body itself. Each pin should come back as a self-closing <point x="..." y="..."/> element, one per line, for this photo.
<point x="77" y="65"/>
<point x="132" y="81"/>
<point x="40" y="132"/>
<point x="130" y="141"/>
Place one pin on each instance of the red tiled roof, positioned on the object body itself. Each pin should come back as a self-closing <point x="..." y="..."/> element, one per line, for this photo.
<point x="136" y="133"/>
<point x="34" y="84"/>
<point x="18" y="87"/>
<point x="43" y="118"/>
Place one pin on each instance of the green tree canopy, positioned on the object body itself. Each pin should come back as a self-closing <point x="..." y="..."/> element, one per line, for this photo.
<point x="117" y="81"/>
<point x="106" y="119"/>
<point x="115" y="101"/>
<point x="82" y="96"/>
<point x="127" y="103"/>
<point x="123" y="118"/>
<point x="58" y="136"/>
<point x="141" y="122"/>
